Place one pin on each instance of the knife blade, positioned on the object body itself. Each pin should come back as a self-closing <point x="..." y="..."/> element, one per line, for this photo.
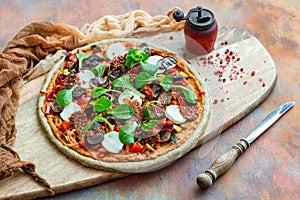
<point x="223" y="163"/>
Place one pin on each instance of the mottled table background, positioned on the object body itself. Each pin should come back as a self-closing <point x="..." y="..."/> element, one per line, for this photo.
<point x="270" y="169"/>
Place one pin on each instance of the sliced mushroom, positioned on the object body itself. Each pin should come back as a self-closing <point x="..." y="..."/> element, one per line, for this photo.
<point x="56" y="108"/>
<point x="98" y="81"/>
<point x="78" y="91"/>
<point x="114" y="75"/>
<point x="156" y="90"/>
<point x="145" y="47"/>
<point x="167" y="63"/>
<point x="165" y="135"/>
<point x="164" y="98"/>
<point x="95" y="139"/>
<point x="91" y="61"/>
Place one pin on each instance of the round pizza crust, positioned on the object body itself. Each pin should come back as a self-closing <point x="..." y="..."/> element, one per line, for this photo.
<point x="128" y="166"/>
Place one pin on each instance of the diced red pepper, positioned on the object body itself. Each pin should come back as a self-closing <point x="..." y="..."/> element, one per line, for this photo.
<point x="169" y="123"/>
<point x="127" y="148"/>
<point x="137" y="148"/>
<point x="51" y="97"/>
<point x="116" y="128"/>
<point x="64" y="126"/>
<point x="82" y="145"/>
<point x="148" y="92"/>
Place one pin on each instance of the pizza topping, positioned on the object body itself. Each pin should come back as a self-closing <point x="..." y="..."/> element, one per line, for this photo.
<point x="64" y="97"/>
<point x="135" y="56"/>
<point x="127" y="96"/>
<point x="132" y="101"/>
<point x="85" y="77"/>
<point x="124" y="82"/>
<point x="112" y="143"/>
<point x="99" y="70"/>
<point x="81" y="57"/>
<point x="114" y="50"/>
<point x="69" y="110"/>
<point x="165" y="135"/>
<point x="77" y="92"/>
<point x="56" y="108"/>
<point x="167" y="63"/>
<point x="95" y="139"/>
<point x="98" y="81"/>
<point x="173" y="113"/>
<point x="91" y="61"/>
<point x="154" y="59"/>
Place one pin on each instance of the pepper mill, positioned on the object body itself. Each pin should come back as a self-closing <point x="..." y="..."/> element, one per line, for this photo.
<point x="200" y="29"/>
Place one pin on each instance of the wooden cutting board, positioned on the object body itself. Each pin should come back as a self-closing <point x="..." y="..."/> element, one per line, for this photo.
<point x="239" y="74"/>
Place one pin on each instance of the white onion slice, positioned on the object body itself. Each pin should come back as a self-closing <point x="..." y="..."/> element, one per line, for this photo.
<point x="173" y="113"/>
<point x="112" y="142"/>
<point x="154" y="59"/>
<point x="129" y="95"/>
<point x="114" y="50"/>
<point x="69" y="110"/>
<point x="85" y="77"/>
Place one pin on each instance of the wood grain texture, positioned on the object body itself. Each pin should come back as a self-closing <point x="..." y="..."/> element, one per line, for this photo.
<point x="237" y="100"/>
<point x="269" y="169"/>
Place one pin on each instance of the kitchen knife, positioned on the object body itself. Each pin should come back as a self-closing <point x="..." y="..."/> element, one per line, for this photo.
<point x="223" y="163"/>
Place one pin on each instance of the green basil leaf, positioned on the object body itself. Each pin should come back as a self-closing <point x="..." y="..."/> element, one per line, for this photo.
<point x="81" y="57"/>
<point x="142" y="79"/>
<point x="64" y="97"/>
<point x="142" y="55"/>
<point x="129" y="61"/>
<point x="146" y="125"/>
<point x="149" y="68"/>
<point x="99" y="70"/>
<point x="124" y="82"/>
<point x="97" y="118"/>
<point x="166" y="87"/>
<point x="98" y="91"/>
<point x="89" y="125"/>
<point x="147" y="113"/>
<point x="166" y="82"/>
<point x="122" y="111"/>
<point x="126" y="133"/>
<point x="102" y="119"/>
<point x="134" y="56"/>
<point x="167" y="79"/>
<point x="189" y="95"/>
<point x="101" y="104"/>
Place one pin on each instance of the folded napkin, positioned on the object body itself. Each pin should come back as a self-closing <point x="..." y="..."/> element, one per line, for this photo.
<point x="21" y="60"/>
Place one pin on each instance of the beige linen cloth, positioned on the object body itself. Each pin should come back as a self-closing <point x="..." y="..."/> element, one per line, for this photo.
<point x="37" y="40"/>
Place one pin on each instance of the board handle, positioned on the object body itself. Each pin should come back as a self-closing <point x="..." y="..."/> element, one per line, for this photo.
<point x="222" y="164"/>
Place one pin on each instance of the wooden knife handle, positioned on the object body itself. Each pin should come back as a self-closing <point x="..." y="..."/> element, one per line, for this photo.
<point x="221" y="165"/>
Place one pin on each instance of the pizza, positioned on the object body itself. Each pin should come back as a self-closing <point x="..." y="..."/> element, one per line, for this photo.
<point x="123" y="105"/>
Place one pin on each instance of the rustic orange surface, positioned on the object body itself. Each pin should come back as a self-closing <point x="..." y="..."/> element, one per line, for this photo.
<point x="270" y="168"/>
